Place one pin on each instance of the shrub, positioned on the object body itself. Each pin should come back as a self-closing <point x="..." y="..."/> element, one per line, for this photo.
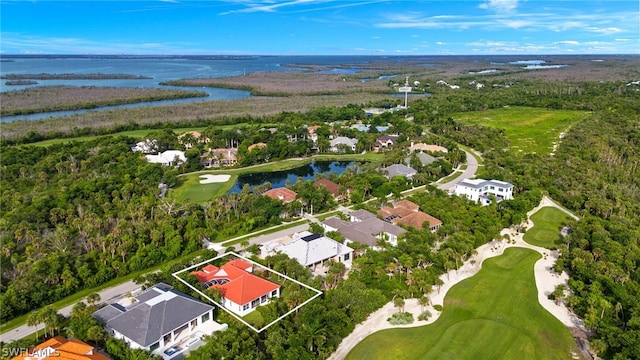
<point x="425" y="315"/>
<point x="403" y="318"/>
<point x="437" y="307"/>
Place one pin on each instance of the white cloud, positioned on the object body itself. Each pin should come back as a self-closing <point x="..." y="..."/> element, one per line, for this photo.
<point x="606" y="31"/>
<point x="567" y="42"/>
<point x="500" y="5"/>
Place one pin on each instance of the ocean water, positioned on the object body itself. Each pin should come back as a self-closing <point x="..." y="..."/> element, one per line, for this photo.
<point x="157" y="70"/>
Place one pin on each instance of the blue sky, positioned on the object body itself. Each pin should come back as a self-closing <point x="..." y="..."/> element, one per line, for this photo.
<point x="320" y="27"/>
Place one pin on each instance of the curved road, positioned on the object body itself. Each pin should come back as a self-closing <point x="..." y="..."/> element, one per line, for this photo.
<point x="106" y="295"/>
<point x="468" y="173"/>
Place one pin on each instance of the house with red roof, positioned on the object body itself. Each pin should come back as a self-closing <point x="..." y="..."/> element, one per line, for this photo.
<point x="240" y="289"/>
<point x="332" y="187"/>
<point x="408" y="213"/>
<point x="59" y="347"/>
<point x="282" y="193"/>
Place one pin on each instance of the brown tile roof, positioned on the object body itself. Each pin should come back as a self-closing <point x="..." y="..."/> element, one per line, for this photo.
<point x="417" y="219"/>
<point x="332" y="188"/>
<point x="61" y="348"/>
<point x="408" y="213"/>
<point x="283" y="194"/>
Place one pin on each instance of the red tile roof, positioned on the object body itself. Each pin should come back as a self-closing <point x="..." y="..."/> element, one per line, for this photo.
<point x="283" y="194"/>
<point x="332" y="188"/>
<point x="61" y="348"/>
<point x="242" y="287"/>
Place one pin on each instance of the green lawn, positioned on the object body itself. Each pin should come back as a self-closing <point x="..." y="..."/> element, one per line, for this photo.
<point x="492" y="315"/>
<point x="528" y="129"/>
<point x="546" y="232"/>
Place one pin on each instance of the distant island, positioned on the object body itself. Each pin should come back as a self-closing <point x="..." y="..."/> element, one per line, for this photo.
<point x="7" y="57"/>
<point x="43" y="76"/>
<point x="21" y="82"/>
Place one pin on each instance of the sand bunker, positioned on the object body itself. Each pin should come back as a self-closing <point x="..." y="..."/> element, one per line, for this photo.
<point x="208" y="179"/>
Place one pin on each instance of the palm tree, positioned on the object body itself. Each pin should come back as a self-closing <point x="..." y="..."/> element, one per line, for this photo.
<point x="33" y="320"/>
<point x="424" y="301"/>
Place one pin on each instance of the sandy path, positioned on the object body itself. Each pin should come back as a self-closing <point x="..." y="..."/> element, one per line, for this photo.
<point x="546" y="281"/>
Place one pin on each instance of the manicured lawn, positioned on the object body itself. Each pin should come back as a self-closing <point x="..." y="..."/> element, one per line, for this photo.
<point x="528" y="129"/>
<point x="492" y="315"/>
<point x="546" y="232"/>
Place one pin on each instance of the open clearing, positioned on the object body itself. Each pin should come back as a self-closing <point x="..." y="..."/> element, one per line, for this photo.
<point x="492" y="315"/>
<point x="531" y="130"/>
<point x="546" y="232"/>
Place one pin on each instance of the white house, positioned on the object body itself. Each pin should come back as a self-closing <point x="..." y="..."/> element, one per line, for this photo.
<point x="158" y="318"/>
<point x="342" y="143"/>
<point x="480" y="190"/>
<point x="314" y="250"/>
<point x="241" y="291"/>
<point x="167" y="158"/>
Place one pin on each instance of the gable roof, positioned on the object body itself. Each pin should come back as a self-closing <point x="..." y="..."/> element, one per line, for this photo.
<point x="157" y="311"/>
<point x="424" y="158"/>
<point x="384" y="140"/>
<point x="364" y="230"/>
<point x="479" y="183"/>
<point x="238" y="285"/>
<point x="400" y="169"/>
<point x="283" y="194"/>
<point x="309" y="249"/>
<point x="407" y="212"/>
<point x="332" y="188"/>
<point x="59" y="347"/>
<point x="343" y="140"/>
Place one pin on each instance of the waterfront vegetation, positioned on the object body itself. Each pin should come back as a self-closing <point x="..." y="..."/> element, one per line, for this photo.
<point x="481" y="320"/>
<point x="61" y="98"/>
<point x="80" y="214"/>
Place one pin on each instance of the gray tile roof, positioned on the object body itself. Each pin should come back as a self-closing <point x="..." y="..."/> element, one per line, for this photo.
<point x="158" y="311"/>
<point x="365" y="230"/>
<point x="400" y="169"/>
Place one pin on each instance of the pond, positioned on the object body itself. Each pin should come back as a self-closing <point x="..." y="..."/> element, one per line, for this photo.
<point x="280" y="178"/>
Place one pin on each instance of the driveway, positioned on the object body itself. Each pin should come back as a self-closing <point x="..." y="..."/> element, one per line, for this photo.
<point x="106" y="295"/>
<point x="468" y="173"/>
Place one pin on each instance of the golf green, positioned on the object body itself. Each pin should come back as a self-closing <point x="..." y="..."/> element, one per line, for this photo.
<point x="493" y="315"/>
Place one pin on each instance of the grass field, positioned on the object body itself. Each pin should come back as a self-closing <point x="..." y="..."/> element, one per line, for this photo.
<point x="492" y="315"/>
<point x="546" y="232"/>
<point x="528" y="129"/>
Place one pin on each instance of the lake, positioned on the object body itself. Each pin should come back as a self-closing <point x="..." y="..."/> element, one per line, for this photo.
<point x="280" y="178"/>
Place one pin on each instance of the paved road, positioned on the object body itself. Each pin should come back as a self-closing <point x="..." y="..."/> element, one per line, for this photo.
<point x="106" y="295"/>
<point x="468" y="173"/>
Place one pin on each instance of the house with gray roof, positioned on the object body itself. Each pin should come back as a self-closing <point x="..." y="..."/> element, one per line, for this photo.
<point x="424" y="158"/>
<point x="483" y="191"/>
<point x="342" y="143"/>
<point x="313" y="250"/>
<point x="158" y="318"/>
<point x="364" y="228"/>
<point x="400" y="170"/>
